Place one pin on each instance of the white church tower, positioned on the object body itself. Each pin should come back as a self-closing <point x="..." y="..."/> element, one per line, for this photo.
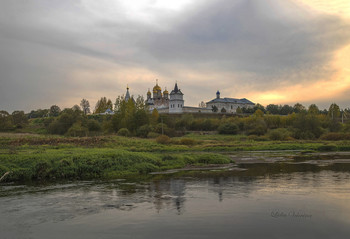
<point x="176" y="102"/>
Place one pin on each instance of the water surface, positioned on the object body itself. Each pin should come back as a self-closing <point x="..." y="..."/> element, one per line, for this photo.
<point x="260" y="202"/>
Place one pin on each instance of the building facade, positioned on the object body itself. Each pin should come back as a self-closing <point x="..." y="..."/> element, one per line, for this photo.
<point x="174" y="103"/>
<point x="228" y="105"/>
<point x="159" y="100"/>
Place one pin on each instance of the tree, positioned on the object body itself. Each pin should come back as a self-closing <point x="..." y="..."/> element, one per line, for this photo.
<point x="228" y="128"/>
<point x="85" y="105"/>
<point x="54" y="110"/>
<point x="259" y="107"/>
<point x="334" y="114"/>
<point x="307" y="126"/>
<point x="214" y="108"/>
<point x="154" y="116"/>
<point x="5" y="121"/>
<point x="334" y="111"/>
<point x="118" y="103"/>
<point x="239" y="110"/>
<point x="258" y="113"/>
<point x="76" y="108"/>
<point x="273" y="109"/>
<point x="102" y="105"/>
<point x="19" y="119"/>
<point x="313" y="109"/>
<point x="139" y="103"/>
<point x="298" y="108"/>
<point x="286" y="110"/>
<point x="223" y="110"/>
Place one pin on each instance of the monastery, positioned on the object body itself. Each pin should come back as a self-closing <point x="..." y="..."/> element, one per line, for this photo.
<point x="174" y="103"/>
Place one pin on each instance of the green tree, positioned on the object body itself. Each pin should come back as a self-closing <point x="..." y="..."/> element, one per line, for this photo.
<point x="65" y="121"/>
<point x="140" y="103"/>
<point x="214" y="108"/>
<point x="85" y="105"/>
<point x="228" y="128"/>
<point x="77" y="130"/>
<point x="118" y="102"/>
<point x="286" y="110"/>
<point x="259" y="107"/>
<point x="307" y="126"/>
<point x="102" y="105"/>
<point x="54" y="111"/>
<point x="273" y="109"/>
<point x="313" y="109"/>
<point x="334" y="111"/>
<point x="5" y="121"/>
<point x="258" y="113"/>
<point x="19" y="119"/>
<point x="298" y="108"/>
<point x="76" y="108"/>
<point x="154" y="116"/>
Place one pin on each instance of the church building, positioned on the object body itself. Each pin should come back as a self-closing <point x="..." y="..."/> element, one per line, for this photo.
<point x="228" y="105"/>
<point x="174" y="103"/>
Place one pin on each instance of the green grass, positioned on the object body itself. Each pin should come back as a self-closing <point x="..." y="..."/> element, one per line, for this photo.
<point x="40" y="157"/>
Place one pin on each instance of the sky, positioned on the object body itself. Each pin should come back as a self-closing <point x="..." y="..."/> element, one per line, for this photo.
<point x="268" y="51"/>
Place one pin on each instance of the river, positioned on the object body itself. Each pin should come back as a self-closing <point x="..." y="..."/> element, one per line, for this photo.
<point x="261" y="201"/>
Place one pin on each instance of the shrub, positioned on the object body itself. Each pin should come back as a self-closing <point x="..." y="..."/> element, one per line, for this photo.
<point x="228" y="128"/>
<point x="93" y="125"/>
<point x="163" y="139"/>
<point x="77" y="130"/>
<point x="279" y="134"/>
<point x="152" y="135"/>
<point x="143" y="131"/>
<point x="144" y="168"/>
<point x="187" y="141"/>
<point x="213" y="159"/>
<point x="335" y="136"/>
<point x="123" y="132"/>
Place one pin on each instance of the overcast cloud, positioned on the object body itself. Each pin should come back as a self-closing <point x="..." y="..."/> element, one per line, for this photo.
<point x="58" y="52"/>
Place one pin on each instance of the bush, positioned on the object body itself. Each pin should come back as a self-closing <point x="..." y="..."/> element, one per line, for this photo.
<point x="335" y="136"/>
<point x="93" y="125"/>
<point x="123" y="132"/>
<point x="77" y="130"/>
<point x="152" y="135"/>
<point x="187" y="141"/>
<point x="163" y="139"/>
<point x="144" y="168"/>
<point x="228" y="128"/>
<point x="279" y="134"/>
<point x="143" y="131"/>
<point x="213" y="159"/>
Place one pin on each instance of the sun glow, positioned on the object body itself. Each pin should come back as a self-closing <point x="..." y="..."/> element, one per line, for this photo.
<point x="322" y="89"/>
<point x="338" y="7"/>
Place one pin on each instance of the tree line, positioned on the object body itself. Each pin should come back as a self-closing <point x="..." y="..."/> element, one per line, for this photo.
<point x="132" y="118"/>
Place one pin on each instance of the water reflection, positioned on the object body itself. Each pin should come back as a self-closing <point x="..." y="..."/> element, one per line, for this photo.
<point x="266" y="197"/>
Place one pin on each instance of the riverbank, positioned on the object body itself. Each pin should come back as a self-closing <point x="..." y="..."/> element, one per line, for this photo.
<point x="38" y="157"/>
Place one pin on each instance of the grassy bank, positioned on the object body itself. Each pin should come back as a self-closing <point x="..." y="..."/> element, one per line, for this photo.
<point x="37" y="157"/>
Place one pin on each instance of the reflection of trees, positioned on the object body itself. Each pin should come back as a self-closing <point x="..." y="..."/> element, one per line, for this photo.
<point x="168" y="192"/>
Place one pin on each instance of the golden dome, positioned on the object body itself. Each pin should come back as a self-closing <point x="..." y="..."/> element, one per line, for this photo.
<point x="149" y="92"/>
<point x="156" y="88"/>
<point x="165" y="92"/>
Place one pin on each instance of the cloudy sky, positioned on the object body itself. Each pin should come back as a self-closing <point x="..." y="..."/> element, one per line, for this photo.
<point x="269" y="51"/>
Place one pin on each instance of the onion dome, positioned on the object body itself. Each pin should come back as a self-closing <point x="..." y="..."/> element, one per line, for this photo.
<point x="149" y="92"/>
<point x="166" y="92"/>
<point x="156" y="88"/>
